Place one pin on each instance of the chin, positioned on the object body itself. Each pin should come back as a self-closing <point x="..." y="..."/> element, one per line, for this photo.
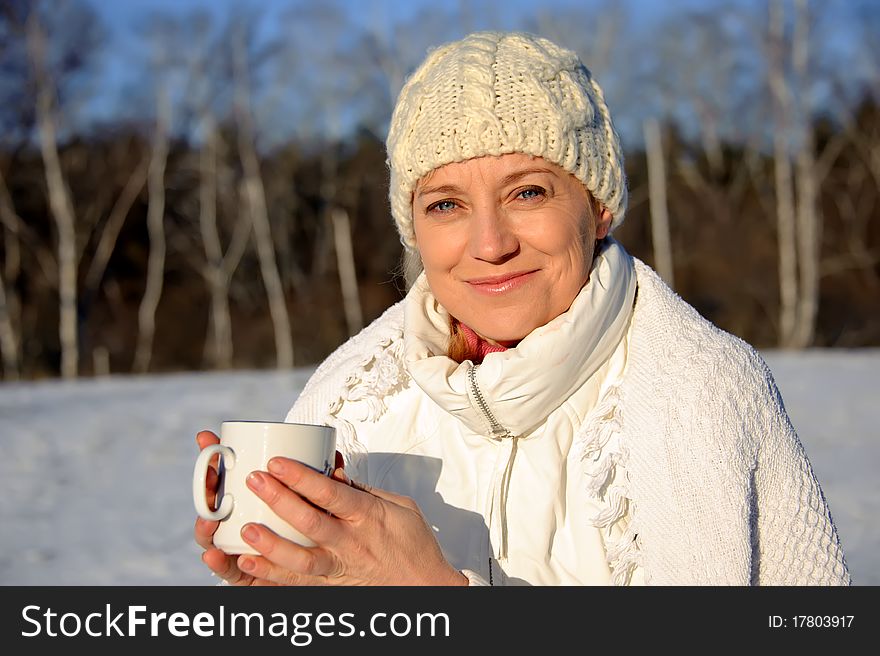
<point x="506" y="332"/>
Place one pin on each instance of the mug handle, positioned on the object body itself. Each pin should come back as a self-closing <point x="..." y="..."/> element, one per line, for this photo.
<point x="200" y="475"/>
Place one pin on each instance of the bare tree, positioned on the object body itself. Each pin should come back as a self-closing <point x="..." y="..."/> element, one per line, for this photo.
<point x="351" y="301"/>
<point x="218" y="283"/>
<point x="657" y="193"/>
<point x="338" y="218"/>
<point x="60" y="200"/>
<point x="9" y="307"/>
<point x="390" y="50"/>
<point x="690" y="85"/>
<point x="156" y="229"/>
<point x="51" y="62"/>
<point x="255" y="196"/>
<point x="809" y="219"/>
<point x="783" y="176"/>
<point x="707" y="79"/>
<point x="353" y="80"/>
<point x="219" y="266"/>
<point x="798" y="210"/>
<point x="8" y="338"/>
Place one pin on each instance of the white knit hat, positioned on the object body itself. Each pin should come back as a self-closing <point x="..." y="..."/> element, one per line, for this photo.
<point x="494" y="93"/>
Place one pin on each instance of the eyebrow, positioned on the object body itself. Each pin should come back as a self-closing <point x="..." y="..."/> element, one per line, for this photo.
<point x="440" y="189"/>
<point x="516" y="175"/>
<point x="506" y="180"/>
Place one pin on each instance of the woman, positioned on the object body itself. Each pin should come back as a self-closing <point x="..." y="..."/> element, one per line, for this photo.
<point x="540" y="408"/>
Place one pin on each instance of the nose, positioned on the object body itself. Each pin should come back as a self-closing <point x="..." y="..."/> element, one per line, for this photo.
<point x="492" y="238"/>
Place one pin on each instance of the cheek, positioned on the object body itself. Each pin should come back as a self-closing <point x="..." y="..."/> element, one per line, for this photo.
<point x="583" y="240"/>
<point x="569" y="244"/>
<point x="431" y="254"/>
<point x="438" y="248"/>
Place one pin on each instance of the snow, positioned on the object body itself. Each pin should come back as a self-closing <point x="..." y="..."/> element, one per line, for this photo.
<point x="95" y="475"/>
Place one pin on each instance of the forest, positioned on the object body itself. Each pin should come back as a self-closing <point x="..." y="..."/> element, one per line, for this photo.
<point x="213" y="193"/>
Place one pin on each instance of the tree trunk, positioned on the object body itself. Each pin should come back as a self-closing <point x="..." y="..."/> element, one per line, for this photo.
<point x="8" y="341"/>
<point x="10" y="311"/>
<point x="256" y="201"/>
<point x="809" y="219"/>
<point x="60" y="202"/>
<point x="218" y="282"/>
<point x="809" y="230"/>
<point x="347" y="272"/>
<point x="657" y="194"/>
<point x="156" y="229"/>
<point x="785" y="221"/>
<point x="785" y="212"/>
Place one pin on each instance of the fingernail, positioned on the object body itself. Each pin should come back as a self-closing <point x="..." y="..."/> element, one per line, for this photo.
<point x="276" y="466"/>
<point x="247" y="564"/>
<point x="250" y="534"/>
<point x="255" y="481"/>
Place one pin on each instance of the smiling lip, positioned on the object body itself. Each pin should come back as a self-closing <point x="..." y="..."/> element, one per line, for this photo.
<point x="500" y="284"/>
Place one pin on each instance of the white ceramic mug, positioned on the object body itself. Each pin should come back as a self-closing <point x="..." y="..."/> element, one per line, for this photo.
<point x="247" y="446"/>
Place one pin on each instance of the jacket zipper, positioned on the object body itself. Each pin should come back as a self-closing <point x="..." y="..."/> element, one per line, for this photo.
<point x="496" y="429"/>
<point x="498" y="432"/>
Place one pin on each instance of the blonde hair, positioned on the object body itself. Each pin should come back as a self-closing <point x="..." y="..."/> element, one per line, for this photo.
<point x="457" y="348"/>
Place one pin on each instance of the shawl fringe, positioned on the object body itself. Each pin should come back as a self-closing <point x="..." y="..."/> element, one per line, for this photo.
<point x="379" y="375"/>
<point x="604" y="454"/>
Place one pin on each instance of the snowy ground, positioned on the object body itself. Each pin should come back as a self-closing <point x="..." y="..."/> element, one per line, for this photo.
<point x="95" y="475"/>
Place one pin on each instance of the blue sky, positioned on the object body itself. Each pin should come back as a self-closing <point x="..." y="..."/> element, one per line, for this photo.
<point x="122" y="63"/>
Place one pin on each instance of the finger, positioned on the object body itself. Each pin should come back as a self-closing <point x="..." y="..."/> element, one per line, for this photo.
<point x="205" y="438"/>
<point x="204" y="532"/>
<point x="212" y="481"/>
<point x="343" y="501"/>
<point x="312" y="522"/>
<point x="226" y="567"/>
<point x="285" y="562"/>
<point x="338" y="472"/>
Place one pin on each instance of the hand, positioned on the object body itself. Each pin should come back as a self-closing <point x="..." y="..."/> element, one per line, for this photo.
<point x="371" y="537"/>
<point x="221" y="564"/>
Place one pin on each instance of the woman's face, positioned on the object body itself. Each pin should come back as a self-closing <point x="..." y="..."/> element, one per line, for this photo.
<point x="506" y="242"/>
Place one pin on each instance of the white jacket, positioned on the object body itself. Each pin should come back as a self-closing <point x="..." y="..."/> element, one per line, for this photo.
<point x="692" y="471"/>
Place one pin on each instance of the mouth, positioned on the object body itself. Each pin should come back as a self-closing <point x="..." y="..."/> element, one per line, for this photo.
<point x="500" y="284"/>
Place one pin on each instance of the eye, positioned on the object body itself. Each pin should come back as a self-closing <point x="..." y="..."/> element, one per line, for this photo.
<point x="530" y="193"/>
<point x="442" y="206"/>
